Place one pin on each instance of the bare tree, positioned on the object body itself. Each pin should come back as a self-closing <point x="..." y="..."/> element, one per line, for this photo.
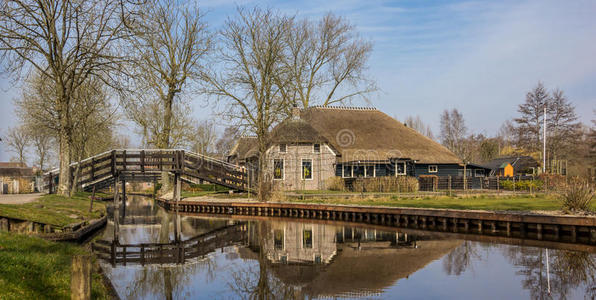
<point x="65" y="41"/>
<point x="326" y="62"/>
<point x="42" y="142"/>
<point x="92" y="116"/>
<point x="250" y="74"/>
<point x="17" y="140"/>
<point x="563" y="128"/>
<point x="149" y="118"/>
<point x="453" y="133"/>
<point x="529" y="124"/>
<point x="204" y="137"/>
<point x="227" y="140"/>
<point x="171" y="41"/>
<point x="417" y="124"/>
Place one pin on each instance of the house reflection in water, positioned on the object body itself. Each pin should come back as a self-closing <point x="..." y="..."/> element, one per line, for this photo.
<point x="320" y="260"/>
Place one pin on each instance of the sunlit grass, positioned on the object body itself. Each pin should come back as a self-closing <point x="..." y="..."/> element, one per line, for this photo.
<point x="33" y="268"/>
<point x="55" y="210"/>
<point x="493" y="203"/>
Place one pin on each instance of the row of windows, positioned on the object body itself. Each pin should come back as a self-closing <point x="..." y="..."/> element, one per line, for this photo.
<point x="278" y="240"/>
<point x="316" y="148"/>
<point x="278" y="169"/>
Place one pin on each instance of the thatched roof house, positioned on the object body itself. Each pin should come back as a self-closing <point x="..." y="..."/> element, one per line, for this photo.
<point x="321" y="142"/>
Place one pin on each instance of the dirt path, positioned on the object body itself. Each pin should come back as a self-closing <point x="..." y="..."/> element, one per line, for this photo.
<point x="18" y="198"/>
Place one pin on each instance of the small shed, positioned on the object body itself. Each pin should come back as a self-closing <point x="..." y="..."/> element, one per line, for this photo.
<point x="16" y="178"/>
<point x="512" y="166"/>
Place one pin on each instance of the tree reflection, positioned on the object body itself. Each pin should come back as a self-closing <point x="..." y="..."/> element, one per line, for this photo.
<point x="460" y="259"/>
<point x="568" y="270"/>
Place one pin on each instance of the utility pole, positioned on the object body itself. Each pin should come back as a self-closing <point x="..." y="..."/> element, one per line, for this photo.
<point x="544" y="142"/>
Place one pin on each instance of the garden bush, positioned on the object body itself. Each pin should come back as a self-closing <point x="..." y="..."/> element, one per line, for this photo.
<point x="401" y="184"/>
<point x="577" y="195"/>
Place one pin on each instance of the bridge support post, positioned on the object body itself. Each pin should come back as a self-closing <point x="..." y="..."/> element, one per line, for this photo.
<point x="124" y="194"/>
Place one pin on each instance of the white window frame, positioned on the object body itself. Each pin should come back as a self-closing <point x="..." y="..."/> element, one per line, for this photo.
<point x="283" y="163"/>
<point x="312" y="169"/>
<point x="285" y="148"/>
<point x="405" y="171"/>
<point x="476" y="173"/>
<point x="313" y="148"/>
<point x="343" y="174"/>
<point x="374" y="171"/>
<point x="436" y="167"/>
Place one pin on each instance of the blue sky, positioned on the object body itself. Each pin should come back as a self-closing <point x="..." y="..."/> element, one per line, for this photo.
<point x="480" y="57"/>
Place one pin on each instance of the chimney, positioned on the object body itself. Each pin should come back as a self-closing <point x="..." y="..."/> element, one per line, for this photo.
<point x="295" y="112"/>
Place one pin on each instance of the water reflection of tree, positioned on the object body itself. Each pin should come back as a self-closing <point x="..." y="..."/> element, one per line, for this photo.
<point x="568" y="270"/>
<point x="460" y="259"/>
<point x="248" y="282"/>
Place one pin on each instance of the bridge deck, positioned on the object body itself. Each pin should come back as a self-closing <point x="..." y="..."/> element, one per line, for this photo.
<point x="146" y="165"/>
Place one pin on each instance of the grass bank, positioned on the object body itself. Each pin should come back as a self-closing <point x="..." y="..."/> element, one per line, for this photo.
<point x="55" y="210"/>
<point x="33" y="268"/>
<point x="483" y="202"/>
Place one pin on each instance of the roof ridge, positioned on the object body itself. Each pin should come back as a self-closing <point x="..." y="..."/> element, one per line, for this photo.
<point x="344" y="107"/>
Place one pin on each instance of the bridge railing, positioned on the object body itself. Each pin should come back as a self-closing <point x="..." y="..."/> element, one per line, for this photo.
<point x="109" y="164"/>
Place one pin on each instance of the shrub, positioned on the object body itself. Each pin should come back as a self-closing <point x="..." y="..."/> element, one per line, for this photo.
<point x="335" y="184"/>
<point x="521" y="185"/>
<point x="401" y="184"/>
<point x="577" y="195"/>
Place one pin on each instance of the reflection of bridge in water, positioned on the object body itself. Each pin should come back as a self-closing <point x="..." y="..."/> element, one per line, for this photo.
<point x="174" y="252"/>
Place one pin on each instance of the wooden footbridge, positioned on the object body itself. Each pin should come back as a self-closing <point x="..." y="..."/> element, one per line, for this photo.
<point x="107" y="168"/>
<point x="174" y="252"/>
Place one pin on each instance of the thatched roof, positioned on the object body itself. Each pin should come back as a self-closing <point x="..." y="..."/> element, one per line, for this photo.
<point x="296" y="131"/>
<point x="369" y="134"/>
<point x="15" y="169"/>
<point x="357" y="134"/>
<point x="244" y="147"/>
<point x="12" y="165"/>
<point x="373" y="268"/>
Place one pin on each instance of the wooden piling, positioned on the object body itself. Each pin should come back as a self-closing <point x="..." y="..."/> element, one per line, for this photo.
<point x="80" y="284"/>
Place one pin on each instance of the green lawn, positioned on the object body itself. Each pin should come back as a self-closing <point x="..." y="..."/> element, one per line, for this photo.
<point x="33" y="268"/>
<point x="519" y="203"/>
<point x="55" y="210"/>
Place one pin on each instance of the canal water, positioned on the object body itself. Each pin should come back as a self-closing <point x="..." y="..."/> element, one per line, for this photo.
<point x="172" y="256"/>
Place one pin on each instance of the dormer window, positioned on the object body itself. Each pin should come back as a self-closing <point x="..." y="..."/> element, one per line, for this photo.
<point x="316" y="148"/>
<point x="282" y="148"/>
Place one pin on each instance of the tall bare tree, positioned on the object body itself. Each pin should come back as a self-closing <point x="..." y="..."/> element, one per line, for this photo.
<point x="250" y="74"/>
<point x="453" y="133"/>
<point x="42" y="142"/>
<point x="66" y="41"/>
<point x="92" y="115"/>
<point x="563" y="127"/>
<point x="204" y="138"/>
<point x="326" y="62"/>
<point x="17" y="140"/>
<point x="227" y="140"/>
<point x="529" y="124"/>
<point x="171" y="41"/>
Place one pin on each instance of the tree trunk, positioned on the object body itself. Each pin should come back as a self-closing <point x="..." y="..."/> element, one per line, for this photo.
<point x="65" y="142"/>
<point x="263" y="181"/>
<point x="64" y="156"/>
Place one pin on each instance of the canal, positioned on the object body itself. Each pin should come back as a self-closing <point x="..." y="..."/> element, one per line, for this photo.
<point x="149" y="253"/>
